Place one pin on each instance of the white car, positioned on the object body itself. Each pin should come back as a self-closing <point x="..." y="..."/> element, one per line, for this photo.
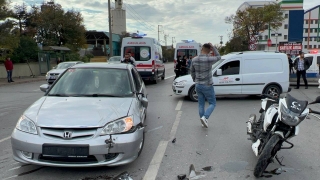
<point x="53" y="74"/>
<point x="243" y="73"/>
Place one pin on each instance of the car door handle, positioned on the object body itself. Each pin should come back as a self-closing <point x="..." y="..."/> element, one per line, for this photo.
<point x="237" y="79"/>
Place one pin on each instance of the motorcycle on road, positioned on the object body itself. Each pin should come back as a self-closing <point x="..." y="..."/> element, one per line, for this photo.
<point x="278" y="123"/>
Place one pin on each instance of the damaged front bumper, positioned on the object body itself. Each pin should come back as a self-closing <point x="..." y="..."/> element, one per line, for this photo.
<point x="109" y="150"/>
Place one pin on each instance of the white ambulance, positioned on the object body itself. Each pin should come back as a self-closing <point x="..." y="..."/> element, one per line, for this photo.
<point x="147" y="53"/>
<point x="186" y="48"/>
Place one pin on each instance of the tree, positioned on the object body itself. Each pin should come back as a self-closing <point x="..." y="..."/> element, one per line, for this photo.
<point x="236" y="44"/>
<point x="253" y="20"/>
<point x="27" y="50"/>
<point x="8" y="34"/>
<point x="55" y="27"/>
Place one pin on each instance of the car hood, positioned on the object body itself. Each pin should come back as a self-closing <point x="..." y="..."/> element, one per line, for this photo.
<point x="77" y="112"/>
<point x="187" y="78"/>
<point x="57" y="71"/>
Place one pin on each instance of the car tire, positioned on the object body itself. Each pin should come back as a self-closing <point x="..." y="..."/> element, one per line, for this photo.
<point x="141" y="145"/>
<point x="193" y="94"/>
<point x="273" y="90"/>
<point x="155" y="81"/>
<point x="163" y="75"/>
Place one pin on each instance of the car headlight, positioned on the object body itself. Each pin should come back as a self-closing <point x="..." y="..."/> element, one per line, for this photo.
<point x="181" y="83"/>
<point x="118" y="126"/>
<point x="26" y="125"/>
<point x="290" y="118"/>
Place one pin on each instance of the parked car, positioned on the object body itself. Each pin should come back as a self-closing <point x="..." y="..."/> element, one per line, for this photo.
<point x="93" y="115"/>
<point x="243" y="73"/>
<point x="114" y="59"/>
<point x="53" y="74"/>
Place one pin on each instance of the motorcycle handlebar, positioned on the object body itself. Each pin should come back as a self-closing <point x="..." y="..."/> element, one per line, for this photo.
<point x="314" y="112"/>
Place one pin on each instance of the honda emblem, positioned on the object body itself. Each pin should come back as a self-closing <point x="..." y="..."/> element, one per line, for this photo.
<point x="67" y="135"/>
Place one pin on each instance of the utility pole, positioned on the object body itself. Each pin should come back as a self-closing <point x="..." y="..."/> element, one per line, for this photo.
<point x="110" y="30"/>
<point x="276" y="34"/>
<point x="165" y="39"/>
<point x="173" y="41"/>
<point x="159" y="32"/>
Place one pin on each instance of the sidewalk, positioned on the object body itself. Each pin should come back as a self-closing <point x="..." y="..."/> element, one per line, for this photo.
<point x="20" y="80"/>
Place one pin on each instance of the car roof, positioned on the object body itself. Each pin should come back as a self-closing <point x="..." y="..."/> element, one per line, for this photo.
<point x="71" y="61"/>
<point x="103" y="65"/>
<point x="253" y="54"/>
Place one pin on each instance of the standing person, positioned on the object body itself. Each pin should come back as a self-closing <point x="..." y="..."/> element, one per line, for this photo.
<point x="177" y="70"/>
<point x="189" y="64"/>
<point x="290" y="64"/>
<point x="301" y="64"/>
<point x="59" y="61"/>
<point x="184" y="65"/>
<point x="9" y="67"/>
<point x="127" y="59"/>
<point x="201" y="72"/>
<point x="132" y="59"/>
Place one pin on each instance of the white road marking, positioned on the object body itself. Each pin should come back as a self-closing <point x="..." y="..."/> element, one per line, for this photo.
<point x="14" y="163"/>
<point x="154" y="129"/>
<point x="170" y="77"/>
<point x="178" y="107"/>
<point x="155" y="163"/>
<point x="5" y="139"/>
<point x="10" y="177"/>
<point x="15" y="168"/>
<point x="37" y="90"/>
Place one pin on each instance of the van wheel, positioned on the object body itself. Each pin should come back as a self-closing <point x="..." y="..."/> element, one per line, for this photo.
<point x="193" y="94"/>
<point x="272" y="90"/>
<point x="163" y="75"/>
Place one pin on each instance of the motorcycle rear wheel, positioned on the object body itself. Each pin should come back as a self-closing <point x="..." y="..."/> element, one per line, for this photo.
<point x="266" y="156"/>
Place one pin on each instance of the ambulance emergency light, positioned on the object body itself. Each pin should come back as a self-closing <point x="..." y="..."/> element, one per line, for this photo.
<point x="138" y="35"/>
<point x="188" y="41"/>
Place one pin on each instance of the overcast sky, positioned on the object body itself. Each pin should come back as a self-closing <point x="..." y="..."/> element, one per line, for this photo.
<point x="201" y="20"/>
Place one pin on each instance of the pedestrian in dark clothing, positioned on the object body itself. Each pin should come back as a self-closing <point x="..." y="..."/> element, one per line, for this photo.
<point x="189" y="63"/>
<point x="9" y="67"/>
<point x="128" y="60"/>
<point x="184" y="69"/>
<point x="301" y="64"/>
<point x="290" y="64"/>
<point x="177" y="69"/>
<point x="59" y="61"/>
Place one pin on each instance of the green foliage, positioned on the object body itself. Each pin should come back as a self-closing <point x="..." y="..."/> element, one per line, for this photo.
<point x="236" y="44"/>
<point x="253" y="20"/>
<point x="27" y="50"/>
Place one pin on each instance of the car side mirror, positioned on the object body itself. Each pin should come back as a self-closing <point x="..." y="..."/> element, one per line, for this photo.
<point x="219" y="72"/>
<point x="316" y="101"/>
<point x="44" y="87"/>
<point x="144" y="102"/>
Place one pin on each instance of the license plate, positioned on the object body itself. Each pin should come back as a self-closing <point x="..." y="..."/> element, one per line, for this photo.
<point x="65" y="150"/>
<point x="52" y="77"/>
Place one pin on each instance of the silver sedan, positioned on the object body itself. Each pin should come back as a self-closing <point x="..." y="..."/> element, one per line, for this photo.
<point x="93" y="115"/>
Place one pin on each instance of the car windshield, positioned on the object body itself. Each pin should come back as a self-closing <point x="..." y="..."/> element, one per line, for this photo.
<point x="65" y="65"/>
<point x="93" y="82"/>
<point x="114" y="59"/>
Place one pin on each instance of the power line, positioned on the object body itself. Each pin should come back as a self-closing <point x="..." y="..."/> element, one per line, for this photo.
<point x="140" y="16"/>
<point x="137" y="19"/>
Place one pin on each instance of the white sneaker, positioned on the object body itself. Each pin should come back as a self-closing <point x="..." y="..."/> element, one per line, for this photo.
<point x="204" y="121"/>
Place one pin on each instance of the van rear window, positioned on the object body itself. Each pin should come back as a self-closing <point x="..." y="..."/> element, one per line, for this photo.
<point x="139" y="53"/>
<point x="187" y="52"/>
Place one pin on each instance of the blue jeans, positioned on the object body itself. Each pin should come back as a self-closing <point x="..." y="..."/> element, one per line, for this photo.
<point x="206" y="92"/>
<point x="9" y="75"/>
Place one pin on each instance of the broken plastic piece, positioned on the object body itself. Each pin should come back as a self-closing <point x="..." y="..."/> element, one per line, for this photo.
<point x="174" y="140"/>
<point x="182" y="176"/>
<point x="208" y="168"/>
<point x="123" y="176"/>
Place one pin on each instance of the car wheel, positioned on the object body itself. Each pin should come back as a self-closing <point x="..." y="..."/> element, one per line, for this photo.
<point x="163" y="75"/>
<point x="141" y="145"/>
<point x="193" y="94"/>
<point x="272" y="90"/>
<point x="155" y="81"/>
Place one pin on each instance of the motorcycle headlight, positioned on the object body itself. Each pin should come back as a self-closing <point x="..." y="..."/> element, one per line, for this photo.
<point x="118" y="126"/>
<point x="26" y="125"/>
<point x="181" y="83"/>
<point x="288" y="117"/>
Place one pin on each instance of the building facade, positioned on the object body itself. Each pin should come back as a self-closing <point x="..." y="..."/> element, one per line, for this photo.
<point x="118" y="24"/>
<point x="288" y="38"/>
<point x="311" y="30"/>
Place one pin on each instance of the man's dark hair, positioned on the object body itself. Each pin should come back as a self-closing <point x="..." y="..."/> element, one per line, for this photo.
<point x="206" y="47"/>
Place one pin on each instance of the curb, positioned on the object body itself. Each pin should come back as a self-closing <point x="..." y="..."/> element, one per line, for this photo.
<point x="22" y="82"/>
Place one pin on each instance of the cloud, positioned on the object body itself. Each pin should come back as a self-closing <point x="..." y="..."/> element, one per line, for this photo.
<point x="201" y="20"/>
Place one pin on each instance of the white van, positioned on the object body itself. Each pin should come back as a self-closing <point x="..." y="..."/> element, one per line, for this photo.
<point x="243" y="73"/>
<point x="186" y="48"/>
<point x="148" y="55"/>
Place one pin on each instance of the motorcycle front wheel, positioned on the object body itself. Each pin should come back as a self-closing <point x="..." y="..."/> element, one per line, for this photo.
<point x="266" y="156"/>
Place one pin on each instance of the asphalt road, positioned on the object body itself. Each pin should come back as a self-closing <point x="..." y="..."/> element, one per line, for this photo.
<point x="224" y="146"/>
